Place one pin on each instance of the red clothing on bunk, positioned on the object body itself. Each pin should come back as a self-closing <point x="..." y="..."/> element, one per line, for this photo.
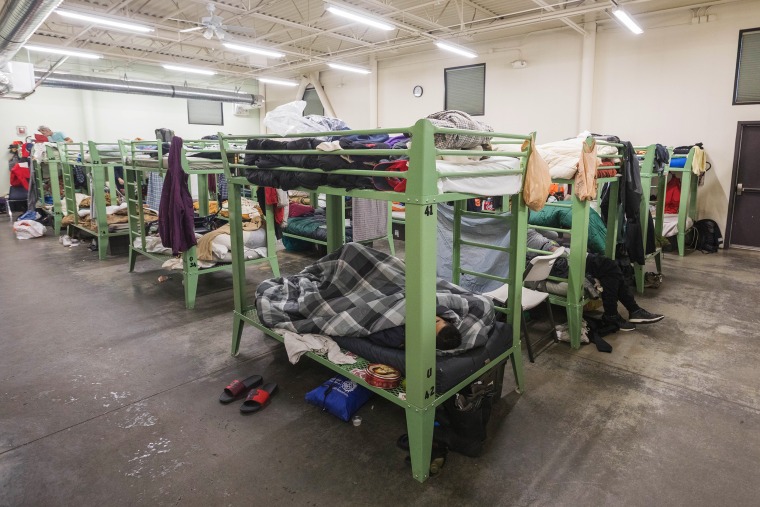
<point x="271" y="198"/>
<point x="673" y="195"/>
<point x="20" y="176"/>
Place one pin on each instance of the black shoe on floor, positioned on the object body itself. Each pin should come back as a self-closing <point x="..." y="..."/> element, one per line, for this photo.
<point x="619" y="321"/>
<point x="642" y="316"/>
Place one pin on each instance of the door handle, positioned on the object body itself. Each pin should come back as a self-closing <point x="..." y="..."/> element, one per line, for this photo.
<point x="740" y="188"/>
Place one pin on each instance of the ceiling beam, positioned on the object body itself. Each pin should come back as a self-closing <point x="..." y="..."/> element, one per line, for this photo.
<point x="571" y="24"/>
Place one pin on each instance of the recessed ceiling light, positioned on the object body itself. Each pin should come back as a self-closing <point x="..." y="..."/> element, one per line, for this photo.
<point x="66" y="52"/>
<point x="456" y="49"/>
<point x="254" y="50"/>
<point x="627" y="20"/>
<point x="275" y="81"/>
<point x="350" y="68"/>
<point x="191" y="70"/>
<point x="359" y="18"/>
<point x="96" y="20"/>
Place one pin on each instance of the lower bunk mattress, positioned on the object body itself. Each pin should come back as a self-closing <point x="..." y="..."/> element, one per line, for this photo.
<point x="670" y="224"/>
<point x="450" y="370"/>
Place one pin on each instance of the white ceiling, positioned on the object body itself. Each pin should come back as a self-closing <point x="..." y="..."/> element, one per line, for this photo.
<point x="303" y="30"/>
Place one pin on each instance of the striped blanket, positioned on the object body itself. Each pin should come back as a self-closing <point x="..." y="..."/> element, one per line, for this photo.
<point x="356" y="291"/>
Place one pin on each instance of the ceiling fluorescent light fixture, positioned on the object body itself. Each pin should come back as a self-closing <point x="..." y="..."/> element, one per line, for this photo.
<point x="65" y="52"/>
<point x="627" y="20"/>
<point x="456" y="49"/>
<point x="191" y="70"/>
<point x="95" y="20"/>
<point x="366" y="20"/>
<point x="349" y="68"/>
<point x="254" y="50"/>
<point x="274" y="81"/>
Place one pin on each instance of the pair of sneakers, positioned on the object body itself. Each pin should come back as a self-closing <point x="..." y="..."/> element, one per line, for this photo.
<point x="67" y="240"/>
<point x="639" y="316"/>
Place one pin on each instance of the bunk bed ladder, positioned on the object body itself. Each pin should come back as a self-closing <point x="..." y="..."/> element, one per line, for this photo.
<point x="457" y="270"/>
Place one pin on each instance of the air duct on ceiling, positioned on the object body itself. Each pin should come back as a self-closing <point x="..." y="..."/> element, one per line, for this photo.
<point x="18" y="21"/>
<point x="144" y="88"/>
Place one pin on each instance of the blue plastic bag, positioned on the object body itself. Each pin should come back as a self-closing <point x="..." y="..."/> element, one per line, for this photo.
<point x="339" y="396"/>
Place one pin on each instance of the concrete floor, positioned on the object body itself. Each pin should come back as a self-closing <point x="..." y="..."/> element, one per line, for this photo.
<point x="109" y="387"/>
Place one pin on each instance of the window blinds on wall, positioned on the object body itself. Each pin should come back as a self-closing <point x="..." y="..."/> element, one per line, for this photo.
<point x="748" y="68"/>
<point x="204" y="112"/>
<point x="466" y="89"/>
<point x="313" y="104"/>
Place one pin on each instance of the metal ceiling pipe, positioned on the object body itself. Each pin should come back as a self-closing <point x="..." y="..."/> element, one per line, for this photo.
<point x="100" y="84"/>
<point x="18" y="21"/>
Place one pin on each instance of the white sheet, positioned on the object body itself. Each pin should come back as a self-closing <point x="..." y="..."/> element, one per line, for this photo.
<point x="670" y="224"/>
<point x="562" y="156"/>
<point x="480" y="185"/>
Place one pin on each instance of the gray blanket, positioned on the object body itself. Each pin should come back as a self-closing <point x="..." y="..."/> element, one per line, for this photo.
<point x="356" y="291"/>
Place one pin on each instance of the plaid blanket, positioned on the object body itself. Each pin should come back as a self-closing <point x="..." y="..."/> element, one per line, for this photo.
<point x="356" y="291"/>
<point x="453" y="119"/>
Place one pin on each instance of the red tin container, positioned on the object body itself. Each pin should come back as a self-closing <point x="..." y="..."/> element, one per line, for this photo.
<point x="383" y="376"/>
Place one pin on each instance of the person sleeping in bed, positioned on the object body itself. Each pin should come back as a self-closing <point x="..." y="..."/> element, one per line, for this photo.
<point x="447" y="336"/>
<point x="359" y="292"/>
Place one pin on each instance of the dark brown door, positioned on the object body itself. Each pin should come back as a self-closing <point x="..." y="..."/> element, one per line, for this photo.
<point x="744" y="211"/>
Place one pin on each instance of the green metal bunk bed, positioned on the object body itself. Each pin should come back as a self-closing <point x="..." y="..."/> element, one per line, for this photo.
<point x="687" y="208"/>
<point x="420" y="397"/>
<point x="648" y="173"/>
<point x="576" y="298"/>
<point x="100" y="181"/>
<point x="138" y="163"/>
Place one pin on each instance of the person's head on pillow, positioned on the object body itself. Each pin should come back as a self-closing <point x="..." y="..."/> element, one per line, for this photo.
<point x="447" y="336"/>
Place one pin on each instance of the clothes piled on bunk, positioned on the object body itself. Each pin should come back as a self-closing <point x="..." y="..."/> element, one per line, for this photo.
<point x="563" y="156"/>
<point x="326" y="162"/>
<point x="216" y="246"/>
<point x="356" y="291"/>
<point x="605" y="171"/>
<point x="248" y="208"/>
<point x="115" y="216"/>
<point x="553" y="216"/>
<point x="313" y="224"/>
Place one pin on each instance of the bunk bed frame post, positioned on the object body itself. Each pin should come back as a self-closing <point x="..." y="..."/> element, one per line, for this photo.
<point x="239" y="296"/>
<point x="336" y="222"/>
<point x="421" y="245"/>
<point x="98" y="185"/>
<point x="647" y="173"/>
<point x="518" y="253"/>
<point x="688" y="205"/>
<point x="55" y="187"/>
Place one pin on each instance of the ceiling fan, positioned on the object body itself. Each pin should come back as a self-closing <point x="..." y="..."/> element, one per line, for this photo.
<point x="213" y="25"/>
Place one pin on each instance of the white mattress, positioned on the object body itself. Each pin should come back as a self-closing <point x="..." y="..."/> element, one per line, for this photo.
<point x="480" y="185"/>
<point x="670" y="224"/>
